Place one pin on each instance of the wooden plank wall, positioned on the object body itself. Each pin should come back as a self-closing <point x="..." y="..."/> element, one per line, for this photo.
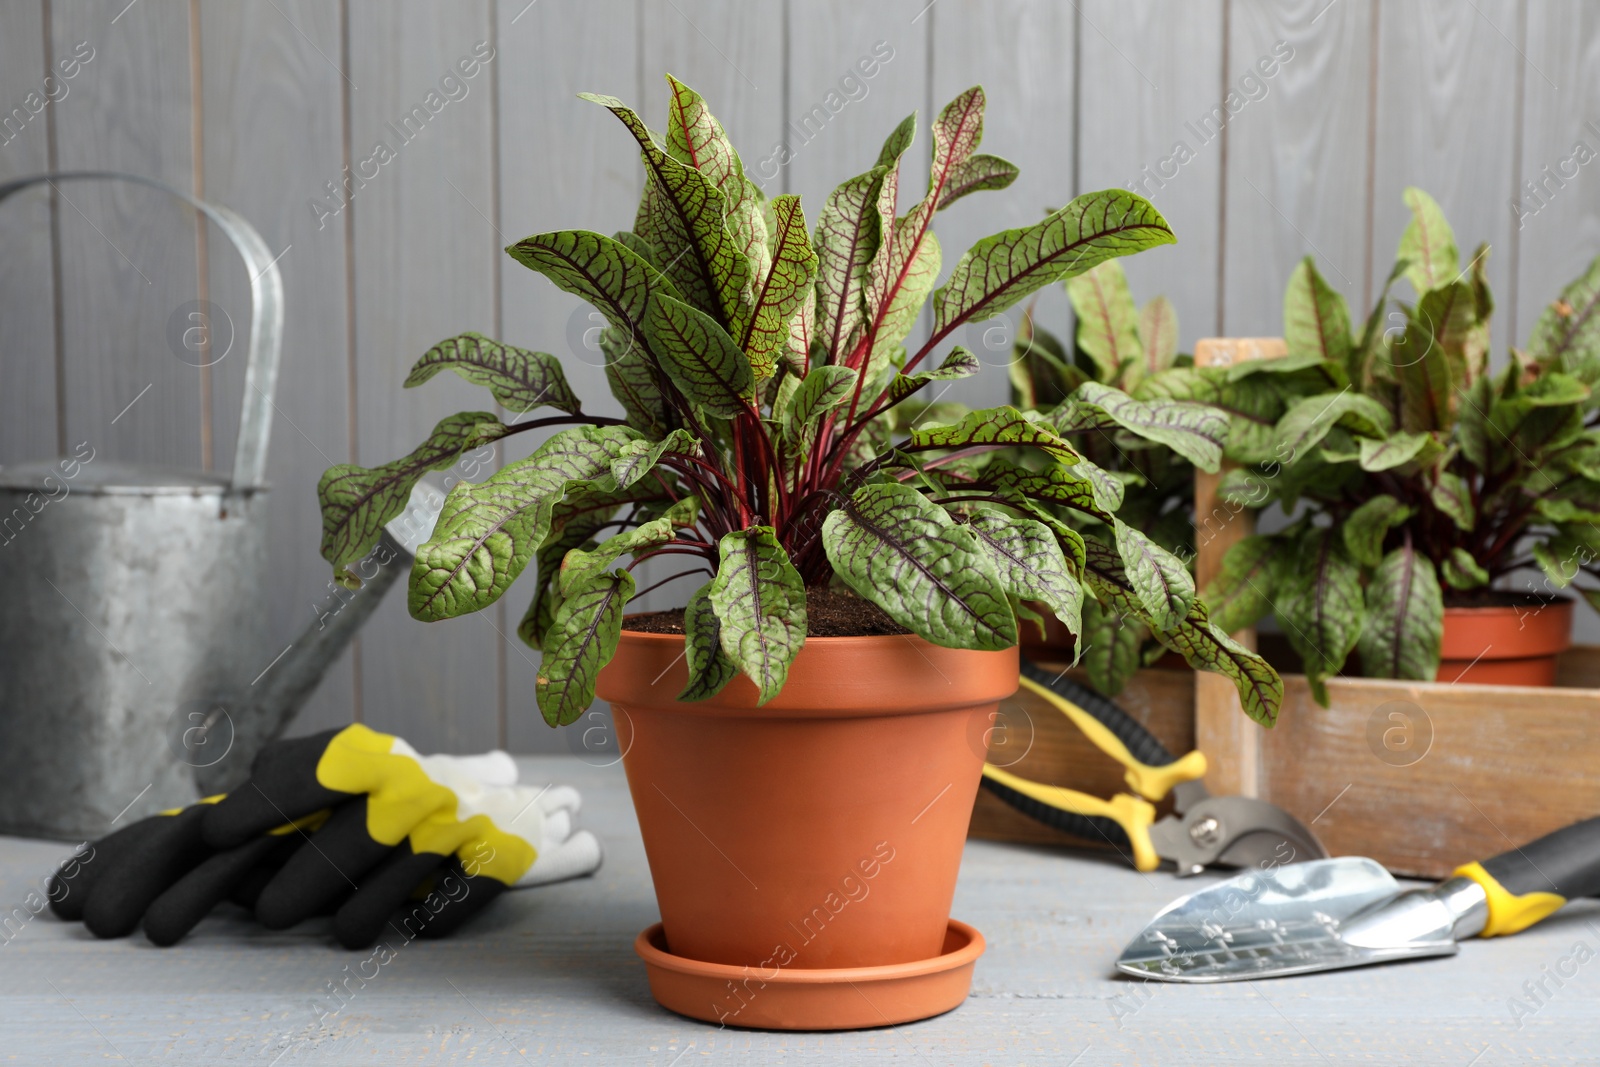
<point x="262" y="104"/>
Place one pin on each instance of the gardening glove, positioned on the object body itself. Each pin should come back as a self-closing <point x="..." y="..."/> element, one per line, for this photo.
<point x="458" y="860"/>
<point x="403" y="817"/>
<point x="160" y="870"/>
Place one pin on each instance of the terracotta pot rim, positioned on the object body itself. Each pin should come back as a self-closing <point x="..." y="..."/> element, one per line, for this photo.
<point x="1558" y="603"/>
<point x="649" y="945"/>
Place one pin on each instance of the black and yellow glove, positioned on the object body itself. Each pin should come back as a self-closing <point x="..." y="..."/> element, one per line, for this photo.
<point x="350" y="822"/>
<point x="399" y="818"/>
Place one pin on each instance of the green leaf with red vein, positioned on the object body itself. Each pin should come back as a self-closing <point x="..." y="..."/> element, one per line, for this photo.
<point x="1161" y="581"/>
<point x="683" y="219"/>
<point x="1567" y="335"/>
<point x="582" y="639"/>
<point x="1000" y="270"/>
<point x="1405" y="618"/>
<point x="1316" y="319"/>
<point x="960" y="363"/>
<point x="847" y="236"/>
<point x="703" y="361"/>
<point x="908" y="556"/>
<point x="995" y="426"/>
<point x="1428" y="244"/>
<point x="357" y="501"/>
<point x="761" y="603"/>
<point x="1321" y="608"/>
<point x="605" y="272"/>
<point x="1200" y="643"/>
<point x="1081" y="486"/>
<point x="780" y="294"/>
<point x="710" y="669"/>
<point x="1108" y="321"/>
<point x="518" y="379"/>
<point x="1241" y="593"/>
<point x="1158" y="334"/>
<point x="488" y="531"/>
<point x="1029" y="562"/>
<point x="975" y="175"/>
<point x="1196" y="432"/>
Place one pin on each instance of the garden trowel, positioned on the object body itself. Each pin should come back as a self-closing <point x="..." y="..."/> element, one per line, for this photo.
<point x="1328" y="914"/>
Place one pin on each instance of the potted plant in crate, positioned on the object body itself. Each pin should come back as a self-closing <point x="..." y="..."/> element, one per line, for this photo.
<point x="803" y="798"/>
<point x="1426" y="477"/>
<point x="1124" y="397"/>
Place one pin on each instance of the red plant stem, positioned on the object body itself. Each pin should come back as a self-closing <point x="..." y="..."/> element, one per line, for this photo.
<point x="657" y="585"/>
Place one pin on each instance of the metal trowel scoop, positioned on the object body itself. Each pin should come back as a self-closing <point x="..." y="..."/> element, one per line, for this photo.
<point x="1328" y="914"/>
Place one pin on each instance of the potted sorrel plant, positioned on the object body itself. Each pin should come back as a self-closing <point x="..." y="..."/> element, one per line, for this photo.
<point x="804" y="739"/>
<point x="1424" y="478"/>
<point x="1121" y="395"/>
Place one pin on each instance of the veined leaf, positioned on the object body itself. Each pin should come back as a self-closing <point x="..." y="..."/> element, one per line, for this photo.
<point x="1364" y="355"/>
<point x="1462" y="571"/>
<point x="995" y="426"/>
<point x="605" y="272"/>
<point x="1451" y="495"/>
<point x="1366" y="527"/>
<point x="910" y="558"/>
<point x="781" y="292"/>
<point x="702" y="360"/>
<point x="960" y="363"/>
<point x="584" y="509"/>
<point x="710" y="669"/>
<point x="1029" y="561"/>
<point x="1251" y="405"/>
<point x="638" y="458"/>
<point x="824" y="389"/>
<point x="1108" y="322"/>
<point x="761" y="602"/>
<point x="1391" y="452"/>
<point x="1316" y="320"/>
<point x="1194" y="431"/>
<point x="1305" y="424"/>
<point x="580" y="566"/>
<point x="848" y="232"/>
<point x="1241" y="593"/>
<point x="1567" y="335"/>
<point x="636" y="382"/>
<point x="695" y="137"/>
<point x="1428" y="244"/>
<point x="1321" y="607"/>
<point x="899" y="139"/>
<point x="488" y="531"/>
<point x="1158" y="334"/>
<point x="1109" y="647"/>
<point x="518" y="379"/>
<point x="1200" y="643"/>
<point x="1161" y="581"/>
<point x="1000" y="270"/>
<point x="1082" y="486"/>
<point x="796" y="353"/>
<point x="976" y="174"/>
<point x="1405" y="618"/>
<point x="582" y="639"/>
<point x="682" y="217"/>
<point x="357" y="501"/>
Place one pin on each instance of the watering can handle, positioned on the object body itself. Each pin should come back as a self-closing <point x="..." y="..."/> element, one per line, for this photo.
<point x="266" y="317"/>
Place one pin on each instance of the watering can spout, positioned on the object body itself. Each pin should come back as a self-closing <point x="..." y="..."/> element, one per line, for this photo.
<point x="276" y="697"/>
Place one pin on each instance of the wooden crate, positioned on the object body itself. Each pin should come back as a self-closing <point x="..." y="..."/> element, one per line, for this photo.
<point x="1032" y="739"/>
<point x="1421" y="776"/>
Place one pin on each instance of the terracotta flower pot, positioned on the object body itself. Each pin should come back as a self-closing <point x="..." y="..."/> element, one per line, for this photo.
<point x="821" y="831"/>
<point x="1512" y="644"/>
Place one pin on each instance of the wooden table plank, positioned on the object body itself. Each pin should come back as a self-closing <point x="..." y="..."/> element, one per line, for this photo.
<point x="549" y="976"/>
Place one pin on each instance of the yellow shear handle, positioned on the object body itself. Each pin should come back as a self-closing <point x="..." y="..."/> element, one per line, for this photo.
<point x="1152" y="783"/>
<point x="1129" y="812"/>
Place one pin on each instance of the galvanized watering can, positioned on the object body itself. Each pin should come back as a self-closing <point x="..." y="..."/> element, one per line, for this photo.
<point x="135" y="673"/>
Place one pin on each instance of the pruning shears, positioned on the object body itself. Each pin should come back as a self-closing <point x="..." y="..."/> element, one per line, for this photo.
<point x="1231" y="831"/>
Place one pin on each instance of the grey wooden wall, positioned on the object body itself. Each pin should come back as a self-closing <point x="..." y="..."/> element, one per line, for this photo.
<point x="261" y="104"/>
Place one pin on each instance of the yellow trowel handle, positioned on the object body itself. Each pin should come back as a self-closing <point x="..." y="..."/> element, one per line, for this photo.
<point x="1526" y="884"/>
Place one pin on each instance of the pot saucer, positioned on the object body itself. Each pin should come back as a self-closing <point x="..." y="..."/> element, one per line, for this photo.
<point x="844" y="998"/>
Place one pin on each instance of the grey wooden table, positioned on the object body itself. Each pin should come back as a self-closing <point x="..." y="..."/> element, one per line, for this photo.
<point x="549" y="976"/>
